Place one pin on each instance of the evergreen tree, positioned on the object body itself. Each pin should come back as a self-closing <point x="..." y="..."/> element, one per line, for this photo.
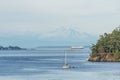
<point x="108" y="43"/>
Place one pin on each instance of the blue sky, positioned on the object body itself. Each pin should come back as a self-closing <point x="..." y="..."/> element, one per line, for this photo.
<point x="25" y="18"/>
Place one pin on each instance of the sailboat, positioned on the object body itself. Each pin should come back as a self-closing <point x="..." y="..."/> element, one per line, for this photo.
<point x="65" y="66"/>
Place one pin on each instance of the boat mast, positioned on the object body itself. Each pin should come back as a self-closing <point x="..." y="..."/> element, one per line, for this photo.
<point x="65" y="60"/>
<point x="66" y="66"/>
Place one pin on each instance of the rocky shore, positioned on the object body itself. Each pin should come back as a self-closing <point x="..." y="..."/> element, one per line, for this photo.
<point x="103" y="57"/>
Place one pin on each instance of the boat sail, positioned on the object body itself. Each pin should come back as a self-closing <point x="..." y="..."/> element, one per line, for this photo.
<point x="65" y="66"/>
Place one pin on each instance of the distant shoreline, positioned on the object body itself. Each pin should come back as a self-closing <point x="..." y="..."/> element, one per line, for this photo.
<point x="12" y="48"/>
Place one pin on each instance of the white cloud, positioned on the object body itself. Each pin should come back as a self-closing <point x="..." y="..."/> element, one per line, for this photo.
<point x="41" y="16"/>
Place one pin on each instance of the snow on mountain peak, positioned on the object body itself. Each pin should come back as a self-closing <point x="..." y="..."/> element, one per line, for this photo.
<point x="67" y="32"/>
<point x="63" y="32"/>
<point x="68" y="35"/>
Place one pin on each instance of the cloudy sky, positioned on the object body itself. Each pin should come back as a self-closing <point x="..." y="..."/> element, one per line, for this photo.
<point x="36" y="17"/>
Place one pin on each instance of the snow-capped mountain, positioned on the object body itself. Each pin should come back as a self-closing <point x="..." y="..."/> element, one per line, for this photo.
<point x="69" y="36"/>
<point x="63" y="36"/>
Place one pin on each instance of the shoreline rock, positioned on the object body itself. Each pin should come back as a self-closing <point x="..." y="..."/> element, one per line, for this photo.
<point x="104" y="57"/>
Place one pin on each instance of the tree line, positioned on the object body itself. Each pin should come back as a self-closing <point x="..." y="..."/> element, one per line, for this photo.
<point x="109" y="43"/>
<point x="11" y="48"/>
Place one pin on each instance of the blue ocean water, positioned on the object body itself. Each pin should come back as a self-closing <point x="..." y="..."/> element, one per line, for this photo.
<point x="46" y="64"/>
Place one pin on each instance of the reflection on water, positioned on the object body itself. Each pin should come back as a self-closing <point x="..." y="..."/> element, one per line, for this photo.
<point x="46" y="64"/>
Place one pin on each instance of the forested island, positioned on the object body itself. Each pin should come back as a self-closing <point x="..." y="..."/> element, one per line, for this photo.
<point x="11" y="48"/>
<point x="107" y="48"/>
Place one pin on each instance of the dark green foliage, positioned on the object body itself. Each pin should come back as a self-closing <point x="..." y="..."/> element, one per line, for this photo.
<point x="11" y="48"/>
<point x="117" y="54"/>
<point x="108" y="43"/>
<point x="94" y="50"/>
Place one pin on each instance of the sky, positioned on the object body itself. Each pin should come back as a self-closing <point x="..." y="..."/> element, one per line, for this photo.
<point x="30" y="19"/>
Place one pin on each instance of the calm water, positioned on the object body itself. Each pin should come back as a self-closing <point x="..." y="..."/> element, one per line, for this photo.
<point x="46" y="64"/>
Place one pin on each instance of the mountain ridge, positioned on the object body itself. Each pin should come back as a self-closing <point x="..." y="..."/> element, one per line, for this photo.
<point x="70" y="34"/>
<point x="62" y="36"/>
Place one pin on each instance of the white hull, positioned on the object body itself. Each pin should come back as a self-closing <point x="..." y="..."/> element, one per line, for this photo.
<point x="66" y="67"/>
<point x="77" y="47"/>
